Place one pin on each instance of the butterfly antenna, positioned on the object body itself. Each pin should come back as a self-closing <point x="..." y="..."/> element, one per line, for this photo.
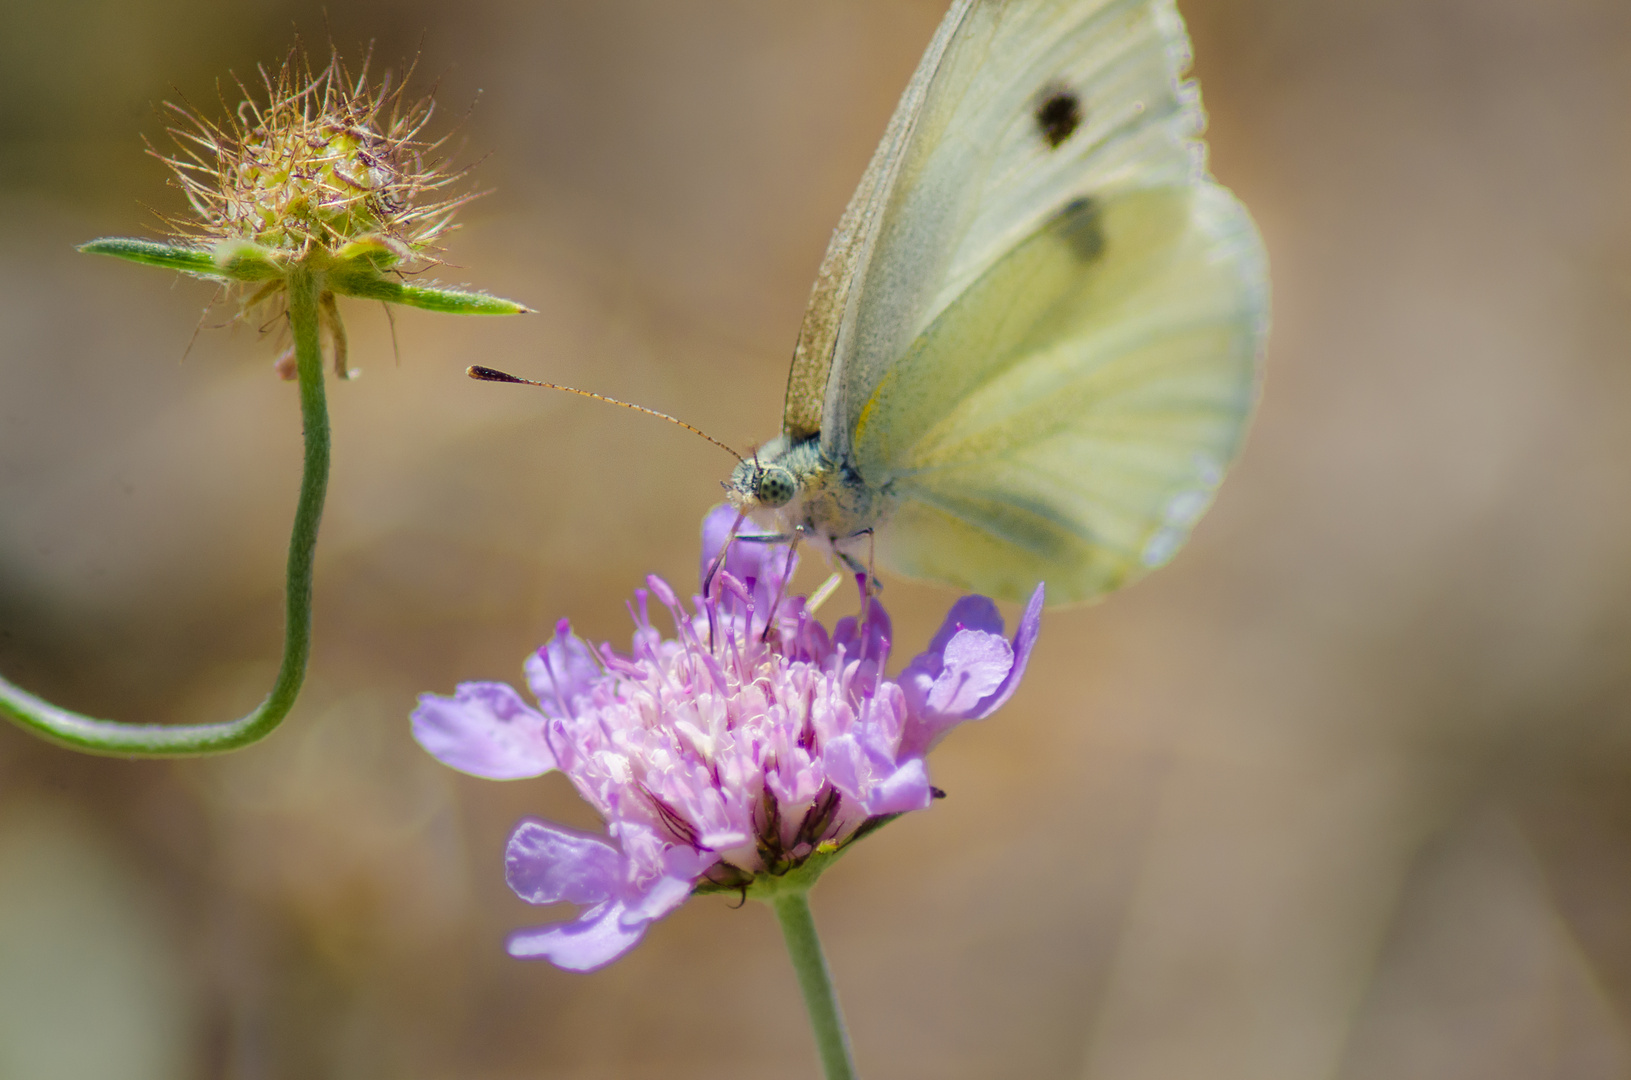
<point x="487" y="374"/>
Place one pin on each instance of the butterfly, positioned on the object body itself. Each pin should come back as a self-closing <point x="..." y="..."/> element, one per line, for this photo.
<point x="1034" y="342"/>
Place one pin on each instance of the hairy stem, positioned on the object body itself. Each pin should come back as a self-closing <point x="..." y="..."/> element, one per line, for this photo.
<point x="820" y="999"/>
<point x="162" y="740"/>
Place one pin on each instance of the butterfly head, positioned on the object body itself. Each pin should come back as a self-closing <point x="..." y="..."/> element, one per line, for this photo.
<point x="774" y="485"/>
<point x="756" y="484"/>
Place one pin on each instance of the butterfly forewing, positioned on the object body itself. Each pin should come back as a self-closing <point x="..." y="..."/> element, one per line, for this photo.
<point x="983" y="166"/>
<point x="1099" y="109"/>
<point x="852" y="242"/>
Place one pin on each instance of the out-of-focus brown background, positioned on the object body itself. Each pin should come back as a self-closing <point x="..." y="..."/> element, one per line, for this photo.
<point x="1344" y="792"/>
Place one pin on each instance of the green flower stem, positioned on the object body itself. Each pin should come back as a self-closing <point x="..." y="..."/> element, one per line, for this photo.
<point x="164" y="740"/>
<point x="804" y="947"/>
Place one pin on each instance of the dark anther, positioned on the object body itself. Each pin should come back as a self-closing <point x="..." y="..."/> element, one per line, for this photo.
<point x="677" y="825"/>
<point x="818" y="818"/>
<point x="770" y="830"/>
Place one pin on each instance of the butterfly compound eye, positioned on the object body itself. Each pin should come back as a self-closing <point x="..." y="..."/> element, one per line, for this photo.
<point x="776" y="487"/>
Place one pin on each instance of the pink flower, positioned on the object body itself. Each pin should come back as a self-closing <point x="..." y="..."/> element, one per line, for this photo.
<point x="739" y="747"/>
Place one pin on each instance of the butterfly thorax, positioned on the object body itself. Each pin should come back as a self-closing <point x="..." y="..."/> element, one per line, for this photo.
<point x="791" y="487"/>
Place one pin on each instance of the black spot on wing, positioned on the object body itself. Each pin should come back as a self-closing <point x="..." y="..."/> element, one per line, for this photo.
<point x="1080" y="223"/>
<point x="1058" y="114"/>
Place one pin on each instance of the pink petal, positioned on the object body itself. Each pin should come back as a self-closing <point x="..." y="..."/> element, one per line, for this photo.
<point x="485" y="729"/>
<point x="905" y="789"/>
<point x="596" y="938"/>
<point x="873" y="782"/>
<point x="1030" y="625"/>
<point x="545" y="864"/>
<point x="665" y="895"/>
<point x="975" y="664"/>
<point x="969" y="613"/>
<point x="562" y="671"/>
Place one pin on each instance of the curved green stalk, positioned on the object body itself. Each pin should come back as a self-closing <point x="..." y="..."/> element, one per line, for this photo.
<point x="820" y="999"/>
<point x="162" y="740"/>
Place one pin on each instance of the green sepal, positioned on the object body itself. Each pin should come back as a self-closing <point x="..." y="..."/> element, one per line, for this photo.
<point x="229" y="260"/>
<point x="767" y="886"/>
<point x="245" y="260"/>
<point x="186" y="258"/>
<point x="367" y="286"/>
<point x="372" y="252"/>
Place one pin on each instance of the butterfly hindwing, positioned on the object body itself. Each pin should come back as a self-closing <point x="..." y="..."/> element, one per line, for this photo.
<point x="1068" y="416"/>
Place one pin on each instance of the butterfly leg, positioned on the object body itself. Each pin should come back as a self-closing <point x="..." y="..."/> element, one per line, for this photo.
<point x="719" y="560"/>
<point x="856" y="566"/>
<point x="868" y="572"/>
<point x="781" y="585"/>
<point x="792" y="538"/>
<point x="868" y="569"/>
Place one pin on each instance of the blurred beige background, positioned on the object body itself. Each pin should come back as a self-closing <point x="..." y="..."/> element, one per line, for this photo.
<point x="1343" y="793"/>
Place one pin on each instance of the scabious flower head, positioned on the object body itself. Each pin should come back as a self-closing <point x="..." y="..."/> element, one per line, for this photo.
<point x="745" y="750"/>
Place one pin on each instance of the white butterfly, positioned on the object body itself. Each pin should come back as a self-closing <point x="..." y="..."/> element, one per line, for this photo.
<point x="1033" y="345"/>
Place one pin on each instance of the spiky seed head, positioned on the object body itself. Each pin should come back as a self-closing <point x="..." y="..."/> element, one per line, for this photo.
<point x="319" y="170"/>
<point x="324" y="167"/>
